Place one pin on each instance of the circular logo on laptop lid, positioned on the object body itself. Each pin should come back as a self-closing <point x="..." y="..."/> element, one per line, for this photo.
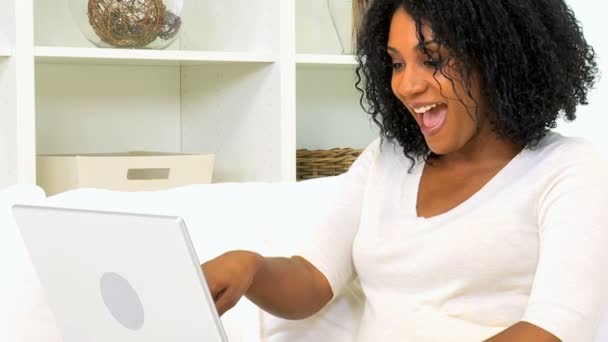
<point x="122" y="301"/>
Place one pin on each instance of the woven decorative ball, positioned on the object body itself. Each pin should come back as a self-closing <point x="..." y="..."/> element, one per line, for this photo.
<point x="132" y="23"/>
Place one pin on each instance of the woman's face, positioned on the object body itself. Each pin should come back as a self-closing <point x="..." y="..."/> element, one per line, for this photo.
<point x="447" y="116"/>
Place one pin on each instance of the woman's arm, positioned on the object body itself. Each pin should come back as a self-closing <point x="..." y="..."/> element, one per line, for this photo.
<point x="290" y="288"/>
<point x="524" y="332"/>
<point x="570" y="287"/>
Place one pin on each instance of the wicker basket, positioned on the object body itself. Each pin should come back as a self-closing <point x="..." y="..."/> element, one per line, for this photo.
<point x="324" y="163"/>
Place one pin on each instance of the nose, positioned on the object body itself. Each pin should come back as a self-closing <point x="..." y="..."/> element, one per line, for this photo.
<point x="409" y="82"/>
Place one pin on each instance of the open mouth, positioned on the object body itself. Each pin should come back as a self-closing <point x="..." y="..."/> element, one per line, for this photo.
<point x="432" y="118"/>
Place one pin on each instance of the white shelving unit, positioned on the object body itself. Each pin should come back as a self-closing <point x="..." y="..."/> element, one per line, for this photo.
<point x="250" y="81"/>
<point x="309" y="59"/>
<point x="52" y="54"/>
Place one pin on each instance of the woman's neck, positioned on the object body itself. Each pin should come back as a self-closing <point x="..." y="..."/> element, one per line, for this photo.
<point x="486" y="148"/>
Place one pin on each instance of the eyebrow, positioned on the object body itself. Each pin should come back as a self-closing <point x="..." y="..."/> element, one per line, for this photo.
<point x="427" y="43"/>
<point x="392" y="49"/>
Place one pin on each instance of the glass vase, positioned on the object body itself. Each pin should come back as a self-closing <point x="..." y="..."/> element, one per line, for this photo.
<point x="341" y="14"/>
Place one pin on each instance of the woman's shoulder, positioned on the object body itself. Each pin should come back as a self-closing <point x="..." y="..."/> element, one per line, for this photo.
<point x="560" y="159"/>
<point x="383" y="159"/>
<point x="389" y="154"/>
<point x="382" y="148"/>
<point x="556" y="147"/>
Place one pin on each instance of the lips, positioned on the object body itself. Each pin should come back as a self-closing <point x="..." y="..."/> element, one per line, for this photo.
<point x="433" y="120"/>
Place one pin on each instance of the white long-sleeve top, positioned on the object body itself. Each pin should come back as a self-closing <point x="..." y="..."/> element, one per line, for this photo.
<point x="531" y="245"/>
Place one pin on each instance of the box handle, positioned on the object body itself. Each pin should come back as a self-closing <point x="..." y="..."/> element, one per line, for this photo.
<point x="147" y="174"/>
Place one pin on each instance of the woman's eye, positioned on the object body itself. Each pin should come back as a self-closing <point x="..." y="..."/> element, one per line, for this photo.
<point x="434" y="63"/>
<point x="396" y="66"/>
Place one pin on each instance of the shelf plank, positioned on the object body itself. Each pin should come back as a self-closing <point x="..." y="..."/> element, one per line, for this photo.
<point x="5" y="52"/>
<point x="319" y="60"/>
<point x="51" y="54"/>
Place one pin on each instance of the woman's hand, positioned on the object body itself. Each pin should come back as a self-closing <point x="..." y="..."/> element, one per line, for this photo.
<point x="290" y="288"/>
<point x="229" y="276"/>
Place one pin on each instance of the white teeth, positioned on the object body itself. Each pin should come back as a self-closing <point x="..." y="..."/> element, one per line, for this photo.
<point x="421" y="110"/>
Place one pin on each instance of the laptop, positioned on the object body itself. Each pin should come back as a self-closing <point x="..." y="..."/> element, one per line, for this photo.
<point x="119" y="277"/>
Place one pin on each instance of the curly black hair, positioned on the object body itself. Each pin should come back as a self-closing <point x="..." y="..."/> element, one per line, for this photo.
<point x="533" y="62"/>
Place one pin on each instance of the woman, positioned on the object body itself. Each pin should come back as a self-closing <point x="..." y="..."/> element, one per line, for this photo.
<point x="469" y="220"/>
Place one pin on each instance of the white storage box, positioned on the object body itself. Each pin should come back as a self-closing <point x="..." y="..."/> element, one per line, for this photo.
<point x="130" y="171"/>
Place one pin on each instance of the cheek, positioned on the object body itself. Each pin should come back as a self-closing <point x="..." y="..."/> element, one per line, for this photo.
<point x="394" y="86"/>
<point x="464" y="121"/>
<point x="454" y="87"/>
<point x="445" y="85"/>
<point x="457" y="94"/>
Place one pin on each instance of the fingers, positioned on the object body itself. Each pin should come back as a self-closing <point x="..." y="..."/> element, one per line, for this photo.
<point x="227" y="300"/>
<point x="216" y="289"/>
<point x="215" y="285"/>
<point x="224" y="298"/>
<point x="227" y="279"/>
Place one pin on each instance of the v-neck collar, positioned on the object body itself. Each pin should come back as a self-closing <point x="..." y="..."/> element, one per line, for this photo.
<point x="500" y="179"/>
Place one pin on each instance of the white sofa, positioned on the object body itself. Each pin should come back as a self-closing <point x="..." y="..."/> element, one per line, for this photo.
<point x="271" y="218"/>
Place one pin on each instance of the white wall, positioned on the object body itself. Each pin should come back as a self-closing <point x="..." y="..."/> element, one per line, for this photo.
<point x="592" y="121"/>
<point x="328" y="111"/>
<point x="314" y="30"/>
<point x="329" y="114"/>
<point x="82" y="115"/>
<point x="8" y="94"/>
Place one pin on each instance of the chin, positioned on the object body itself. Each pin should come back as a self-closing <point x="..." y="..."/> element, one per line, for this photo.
<point x="439" y="147"/>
